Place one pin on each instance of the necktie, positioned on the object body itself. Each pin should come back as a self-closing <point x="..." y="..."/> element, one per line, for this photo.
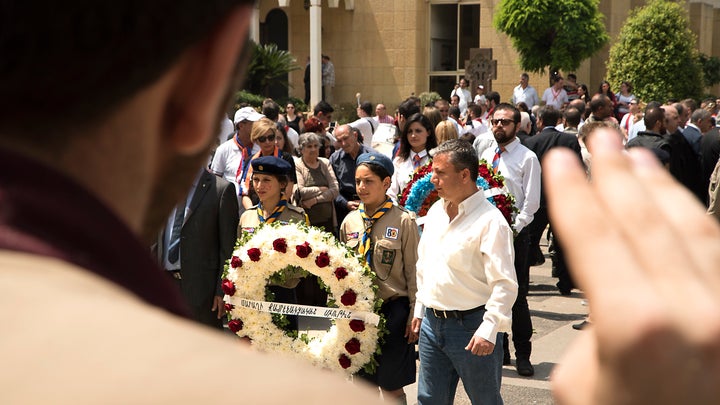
<point x="416" y="161"/>
<point x="496" y="159"/>
<point x="364" y="248"/>
<point x="279" y="208"/>
<point x="174" y="245"/>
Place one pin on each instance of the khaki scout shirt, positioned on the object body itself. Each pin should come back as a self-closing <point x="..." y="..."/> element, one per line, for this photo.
<point x="249" y="221"/>
<point x="394" y="242"/>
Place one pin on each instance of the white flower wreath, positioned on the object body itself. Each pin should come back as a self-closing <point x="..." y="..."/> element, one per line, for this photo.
<point x="352" y="340"/>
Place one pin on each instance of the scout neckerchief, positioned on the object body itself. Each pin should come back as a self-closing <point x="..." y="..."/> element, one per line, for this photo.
<point x="242" y="167"/>
<point x="248" y="173"/>
<point x="364" y="248"/>
<point x="279" y="208"/>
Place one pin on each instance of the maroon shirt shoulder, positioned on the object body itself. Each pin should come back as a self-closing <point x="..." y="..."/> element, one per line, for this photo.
<point x="45" y="213"/>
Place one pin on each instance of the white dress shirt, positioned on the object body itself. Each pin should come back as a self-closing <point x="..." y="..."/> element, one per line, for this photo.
<point x="226" y="162"/>
<point x="555" y="98"/>
<point x="468" y="262"/>
<point x="528" y="95"/>
<point x="404" y="170"/>
<point x="521" y="169"/>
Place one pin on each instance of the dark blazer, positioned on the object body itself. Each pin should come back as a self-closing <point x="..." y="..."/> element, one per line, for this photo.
<point x="547" y="139"/>
<point x="685" y="164"/>
<point x="207" y="240"/>
<point x="709" y="153"/>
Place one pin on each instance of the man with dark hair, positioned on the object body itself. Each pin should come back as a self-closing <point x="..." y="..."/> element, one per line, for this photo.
<point x="493" y="99"/>
<point x="131" y="107"/>
<point x="323" y="112"/>
<point x="406" y="109"/>
<point x="465" y="295"/>
<point x="547" y="139"/>
<point x="571" y="120"/>
<point x="652" y="138"/>
<point x="521" y="170"/>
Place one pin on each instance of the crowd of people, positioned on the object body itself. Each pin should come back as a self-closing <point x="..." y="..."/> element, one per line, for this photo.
<point x="342" y="191"/>
<point x="125" y="165"/>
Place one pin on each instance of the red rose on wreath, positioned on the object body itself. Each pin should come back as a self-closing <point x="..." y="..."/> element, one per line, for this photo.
<point x="228" y="287"/>
<point x="357" y="325"/>
<point x="322" y="260"/>
<point x="348" y="298"/>
<point x="254" y="254"/>
<point x="235" y="262"/>
<point x="229" y="307"/>
<point x="344" y="361"/>
<point x="352" y="346"/>
<point x="303" y="250"/>
<point x="341" y="273"/>
<point x="280" y="245"/>
<point x="235" y="325"/>
<point x="484" y="171"/>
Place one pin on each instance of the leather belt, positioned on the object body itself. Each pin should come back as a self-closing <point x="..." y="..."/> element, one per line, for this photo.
<point x="445" y="314"/>
<point x="175" y="274"/>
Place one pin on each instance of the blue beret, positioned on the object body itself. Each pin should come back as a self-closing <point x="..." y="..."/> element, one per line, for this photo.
<point x="375" y="158"/>
<point x="270" y="165"/>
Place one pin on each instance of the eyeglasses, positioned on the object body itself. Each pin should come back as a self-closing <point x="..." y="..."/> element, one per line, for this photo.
<point x="270" y="138"/>
<point x="502" y="121"/>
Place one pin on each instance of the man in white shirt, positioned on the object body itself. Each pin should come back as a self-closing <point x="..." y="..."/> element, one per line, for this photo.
<point x="521" y="169"/>
<point x="556" y="95"/>
<point x="365" y="124"/>
<point x="525" y="93"/>
<point x="466" y="284"/>
<point x="461" y="90"/>
<point x="232" y="156"/>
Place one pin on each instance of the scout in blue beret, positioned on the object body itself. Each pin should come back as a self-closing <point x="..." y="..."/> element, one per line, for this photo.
<point x="386" y="236"/>
<point x="269" y="178"/>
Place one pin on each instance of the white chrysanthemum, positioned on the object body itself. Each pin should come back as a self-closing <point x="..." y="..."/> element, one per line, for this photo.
<point x="251" y="278"/>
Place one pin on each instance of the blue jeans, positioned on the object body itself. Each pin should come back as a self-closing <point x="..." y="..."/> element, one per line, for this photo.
<point x="443" y="359"/>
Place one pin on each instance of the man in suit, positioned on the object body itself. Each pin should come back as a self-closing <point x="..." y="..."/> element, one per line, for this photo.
<point x="546" y="139"/>
<point x="205" y="236"/>
<point x="709" y="153"/>
<point x="684" y="162"/>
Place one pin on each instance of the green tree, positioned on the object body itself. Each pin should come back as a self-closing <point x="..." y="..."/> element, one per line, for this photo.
<point x="656" y="52"/>
<point x="711" y="69"/>
<point x="558" y="34"/>
<point x="269" y="66"/>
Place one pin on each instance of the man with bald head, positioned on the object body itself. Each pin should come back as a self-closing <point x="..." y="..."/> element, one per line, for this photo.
<point x="381" y="115"/>
<point x="343" y="163"/>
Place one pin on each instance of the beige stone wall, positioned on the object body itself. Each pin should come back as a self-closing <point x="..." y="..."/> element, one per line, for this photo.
<point x="381" y="48"/>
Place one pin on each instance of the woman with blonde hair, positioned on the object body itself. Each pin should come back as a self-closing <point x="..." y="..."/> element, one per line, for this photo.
<point x="263" y="133"/>
<point x="445" y="131"/>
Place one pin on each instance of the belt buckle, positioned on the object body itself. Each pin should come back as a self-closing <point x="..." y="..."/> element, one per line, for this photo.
<point x="440" y="313"/>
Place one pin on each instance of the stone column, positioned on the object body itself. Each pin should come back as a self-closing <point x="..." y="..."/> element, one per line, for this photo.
<point x="315" y="52"/>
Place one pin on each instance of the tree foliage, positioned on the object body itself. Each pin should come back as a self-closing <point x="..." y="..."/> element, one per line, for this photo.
<point x="711" y="69"/>
<point x="559" y="34"/>
<point x="657" y="53"/>
<point x="269" y="66"/>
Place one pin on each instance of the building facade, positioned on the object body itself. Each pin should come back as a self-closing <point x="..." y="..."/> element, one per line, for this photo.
<point x="389" y="50"/>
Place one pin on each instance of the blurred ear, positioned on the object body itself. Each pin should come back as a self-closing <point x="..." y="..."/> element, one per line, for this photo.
<point x="204" y="75"/>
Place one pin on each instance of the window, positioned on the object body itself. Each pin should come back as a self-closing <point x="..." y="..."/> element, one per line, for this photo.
<point x="454" y="31"/>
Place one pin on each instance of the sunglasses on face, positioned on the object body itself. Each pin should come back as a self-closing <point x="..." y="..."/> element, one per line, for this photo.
<point x="263" y="138"/>
<point x="502" y="121"/>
